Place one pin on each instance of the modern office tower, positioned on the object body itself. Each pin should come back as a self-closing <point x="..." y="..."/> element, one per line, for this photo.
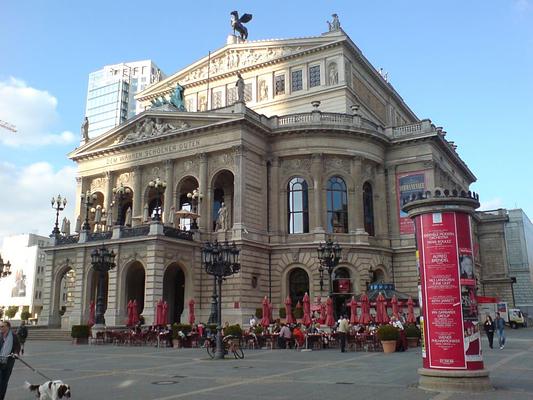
<point x="111" y="91"/>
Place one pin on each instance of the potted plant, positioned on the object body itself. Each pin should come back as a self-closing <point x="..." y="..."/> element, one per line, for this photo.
<point x="388" y="335"/>
<point x="282" y="313"/>
<point x="259" y="313"/>
<point x="233" y="330"/>
<point x="412" y="333"/>
<point x="80" y="334"/>
<point x="179" y="334"/>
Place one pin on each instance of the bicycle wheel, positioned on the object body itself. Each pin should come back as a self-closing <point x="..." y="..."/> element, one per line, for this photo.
<point x="237" y="352"/>
<point x="210" y="349"/>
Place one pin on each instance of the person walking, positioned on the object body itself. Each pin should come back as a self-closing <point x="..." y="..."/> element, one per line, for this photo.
<point x="488" y="325"/>
<point x="500" y="326"/>
<point x="342" y="331"/>
<point x="22" y="333"/>
<point x="9" y="345"/>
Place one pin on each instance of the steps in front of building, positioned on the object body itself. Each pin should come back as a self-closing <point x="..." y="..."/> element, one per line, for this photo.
<point x="49" y="334"/>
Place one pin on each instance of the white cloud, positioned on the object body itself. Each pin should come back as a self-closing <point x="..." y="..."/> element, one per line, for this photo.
<point x="25" y="206"/>
<point x="33" y="112"/>
<point x="491" y="204"/>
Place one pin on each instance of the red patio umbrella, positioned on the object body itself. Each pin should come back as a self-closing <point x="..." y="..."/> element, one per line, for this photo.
<point x="92" y="313"/>
<point x="410" y="311"/>
<point x="164" y="313"/>
<point x="288" y="311"/>
<point x="323" y="313"/>
<point x="381" y="310"/>
<point x="365" y="310"/>
<point x="330" y="320"/>
<point x="130" y="313"/>
<point x="394" y="302"/>
<point x="135" y="313"/>
<point x="159" y="312"/>
<point x="307" y="311"/>
<point x="192" y="317"/>
<point x="265" y="320"/>
<point x="353" y="312"/>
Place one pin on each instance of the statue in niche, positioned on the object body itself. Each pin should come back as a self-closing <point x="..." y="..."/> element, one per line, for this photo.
<point x="222" y="219"/>
<point x="202" y="104"/>
<point x="127" y="220"/>
<point x="146" y="213"/>
<point x="85" y="130"/>
<point x="240" y="88"/>
<point x="333" y="74"/>
<point x="237" y="24"/>
<point x="109" y="217"/>
<point x="77" y="227"/>
<point x="97" y="217"/>
<point x="65" y="227"/>
<point x="335" y="24"/>
<point x="263" y="90"/>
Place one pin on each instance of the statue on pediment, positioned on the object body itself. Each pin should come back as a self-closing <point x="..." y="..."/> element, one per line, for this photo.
<point x="177" y="97"/>
<point x="85" y="130"/>
<point x="240" y="88"/>
<point x="159" y="101"/>
<point x="335" y="24"/>
<point x="237" y="24"/>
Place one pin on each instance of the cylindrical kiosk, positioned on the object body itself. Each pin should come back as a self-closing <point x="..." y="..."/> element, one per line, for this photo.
<point x="451" y="350"/>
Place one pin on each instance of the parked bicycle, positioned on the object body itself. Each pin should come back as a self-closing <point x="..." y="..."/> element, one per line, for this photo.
<point x="230" y="343"/>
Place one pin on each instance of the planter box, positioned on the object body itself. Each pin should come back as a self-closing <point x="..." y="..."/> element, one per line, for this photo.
<point x="412" y="342"/>
<point x="80" y="340"/>
<point x="389" y="346"/>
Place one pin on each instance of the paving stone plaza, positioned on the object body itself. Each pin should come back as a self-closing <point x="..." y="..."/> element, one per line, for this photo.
<point x="123" y="372"/>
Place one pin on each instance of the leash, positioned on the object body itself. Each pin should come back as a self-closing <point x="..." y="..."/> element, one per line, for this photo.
<point x="16" y="357"/>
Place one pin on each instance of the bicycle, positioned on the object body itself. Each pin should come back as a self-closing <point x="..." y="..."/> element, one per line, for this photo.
<point x="230" y="343"/>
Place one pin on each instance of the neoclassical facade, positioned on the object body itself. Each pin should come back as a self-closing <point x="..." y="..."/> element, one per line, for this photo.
<point x="320" y="146"/>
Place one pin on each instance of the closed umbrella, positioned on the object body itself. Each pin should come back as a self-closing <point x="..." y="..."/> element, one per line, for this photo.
<point x="92" y="313"/>
<point x="288" y="311"/>
<point x="265" y="320"/>
<point x="307" y="311"/>
<point x="323" y="312"/>
<point x="394" y="302"/>
<point x="410" y="311"/>
<point x="192" y="317"/>
<point x="353" y="311"/>
<point x="164" y="313"/>
<point x="135" y="313"/>
<point x="381" y="310"/>
<point x="330" y="319"/>
<point x="365" y="310"/>
<point x="159" y="313"/>
<point x="130" y="313"/>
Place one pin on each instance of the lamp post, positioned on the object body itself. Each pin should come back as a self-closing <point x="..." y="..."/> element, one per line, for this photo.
<point x="58" y="204"/>
<point x="102" y="260"/>
<point x="221" y="261"/>
<point x="159" y="187"/>
<point x="5" y="269"/>
<point x="329" y="254"/>
<point x="120" y="192"/>
<point x="88" y="199"/>
<point x="194" y="196"/>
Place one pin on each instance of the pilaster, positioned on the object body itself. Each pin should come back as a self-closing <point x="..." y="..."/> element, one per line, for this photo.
<point x="168" y="200"/>
<point x="317" y="169"/>
<point x="137" y="195"/>
<point x="202" y="188"/>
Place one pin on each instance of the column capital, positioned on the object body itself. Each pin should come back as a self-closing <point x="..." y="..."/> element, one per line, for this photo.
<point x="202" y="157"/>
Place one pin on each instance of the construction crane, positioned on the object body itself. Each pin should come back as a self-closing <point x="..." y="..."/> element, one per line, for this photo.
<point x="8" y="126"/>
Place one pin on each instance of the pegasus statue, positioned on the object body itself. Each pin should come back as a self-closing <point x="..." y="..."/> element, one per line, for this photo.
<point x="237" y="23"/>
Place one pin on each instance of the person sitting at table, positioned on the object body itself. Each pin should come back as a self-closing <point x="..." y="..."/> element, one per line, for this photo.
<point x="298" y="335"/>
<point x="394" y="322"/>
<point x="276" y="327"/>
<point x="284" y="335"/>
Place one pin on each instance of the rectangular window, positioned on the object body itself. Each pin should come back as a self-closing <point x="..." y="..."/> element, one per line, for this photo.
<point x="296" y="81"/>
<point x="280" y="84"/>
<point x="314" y="76"/>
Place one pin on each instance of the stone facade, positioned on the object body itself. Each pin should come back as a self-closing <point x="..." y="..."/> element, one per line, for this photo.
<point x="347" y="135"/>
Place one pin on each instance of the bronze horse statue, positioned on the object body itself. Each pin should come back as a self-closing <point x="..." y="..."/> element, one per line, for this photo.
<point x="237" y="23"/>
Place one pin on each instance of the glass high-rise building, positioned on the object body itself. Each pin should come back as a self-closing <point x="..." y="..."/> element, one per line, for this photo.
<point x="111" y="91"/>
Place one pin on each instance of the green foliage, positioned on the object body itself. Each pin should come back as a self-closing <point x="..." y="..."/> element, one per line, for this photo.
<point x="234" y="330"/>
<point x="282" y="313"/>
<point x="258" y="330"/>
<point x="25" y="315"/>
<point x="259" y="313"/>
<point x="11" y="311"/>
<point x="298" y="313"/>
<point x="412" y="330"/>
<point x="1" y="312"/>
<point x="80" y="331"/>
<point x="388" y="332"/>
<point x="212" y="327"/>
<point x="177" y="328"/>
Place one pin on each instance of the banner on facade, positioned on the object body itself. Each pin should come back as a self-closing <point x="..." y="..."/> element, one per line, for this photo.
<point x="408" y="184"/>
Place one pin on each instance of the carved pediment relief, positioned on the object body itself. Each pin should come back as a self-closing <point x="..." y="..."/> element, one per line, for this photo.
<point x="150" y="128"/>
<point x="295" y="164"/>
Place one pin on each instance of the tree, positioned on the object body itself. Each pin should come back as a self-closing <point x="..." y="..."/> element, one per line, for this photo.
<point x="11" y="311"/>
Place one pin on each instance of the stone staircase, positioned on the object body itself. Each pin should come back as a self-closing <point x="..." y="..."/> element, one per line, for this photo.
<point x="49" y="334"/>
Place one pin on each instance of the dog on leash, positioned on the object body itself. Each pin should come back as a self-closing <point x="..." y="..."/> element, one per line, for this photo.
<point x="51" y="390"/>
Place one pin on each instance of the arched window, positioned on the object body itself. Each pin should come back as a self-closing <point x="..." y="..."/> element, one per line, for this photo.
<point x="298" y="285"/>
<point x="337" y="203"/>
<point x="341" y="280"/>
<point x="298" y="215"/>
<point x="368" y="208"/>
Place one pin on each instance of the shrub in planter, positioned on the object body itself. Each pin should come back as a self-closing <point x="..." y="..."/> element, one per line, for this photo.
<point x="212" y="328"/>
<point x="183" y="328"/>
<point x="298" y="313"/>
<point x="388" y="332"/>
<point x="282" y="313"/>
<point x="258" y="330"/>
<point x="25" y="315"/>
<point x="259" y="313"/>
<point x="80" y="333"/>
<point x="412" y="331"/>
<point x="234" y="330"/>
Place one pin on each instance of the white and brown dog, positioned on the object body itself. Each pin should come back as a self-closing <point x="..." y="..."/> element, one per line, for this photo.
<point x="51" y="390"/>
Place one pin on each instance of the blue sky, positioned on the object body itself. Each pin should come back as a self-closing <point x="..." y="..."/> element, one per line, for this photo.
<point x="466" y="65"/>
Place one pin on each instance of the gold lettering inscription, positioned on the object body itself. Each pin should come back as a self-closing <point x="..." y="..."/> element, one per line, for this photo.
<point x="153" y="152"/>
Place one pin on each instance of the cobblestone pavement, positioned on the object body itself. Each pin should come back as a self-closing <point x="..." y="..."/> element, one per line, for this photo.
<point x="116" y="372"/>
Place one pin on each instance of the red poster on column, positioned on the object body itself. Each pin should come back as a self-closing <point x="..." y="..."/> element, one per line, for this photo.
<point x="441" y="291"/>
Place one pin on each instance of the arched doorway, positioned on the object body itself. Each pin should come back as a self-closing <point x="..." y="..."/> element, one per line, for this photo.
<point x="222" y="193"/>
<point x="186" y="186"/>
<point x="342" y="290"/>
<point x="135" y="278"/>
<point x="63" y="299"/>
<point x="174" y="292"/>
<point x="298" y="285"/>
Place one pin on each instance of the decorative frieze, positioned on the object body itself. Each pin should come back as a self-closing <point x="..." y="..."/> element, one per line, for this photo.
<point x="337" y="163"/>
<point x="97" y="184"/>
<point x="149" y="128"/>
<point x="295" y="164"/>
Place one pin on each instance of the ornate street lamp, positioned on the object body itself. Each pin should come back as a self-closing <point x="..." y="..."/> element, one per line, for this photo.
<point x="89" y="200"/>
<point x="58" y="204"/>
<point x="5" y="269"/>
<point x="159" y="187"/>
<point x="120" y="192"/>
<point x="329" y="255"/>
<point x="195" y="196"/>
<point x="103" y="261"/>
<point x="221" y="261"/>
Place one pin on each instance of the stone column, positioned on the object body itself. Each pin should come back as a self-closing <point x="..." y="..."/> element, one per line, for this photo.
<point x="238" y="188"/>
<point x="380" y="203"/>
<point x="137" y="210"/>
<point x="361" y="236"/>
<point x="77" y="202"/>
<point x="78" y="266"/>
<point x="112" y="314"/>
<point x="153" y="289"/>
<point x="452" y="360"/>
<point x="109" y="185"/>
<point x="202" y="188"/>
<point x="169" y="190"/>
<point x="275" y="198"/>
<point x="49" y="317"/>
<point x="317" y="170"/>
